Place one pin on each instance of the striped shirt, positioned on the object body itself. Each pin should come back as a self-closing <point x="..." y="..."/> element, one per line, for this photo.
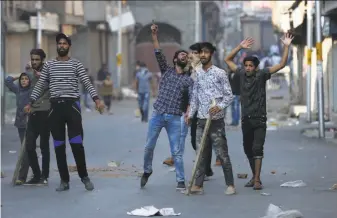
<point x="63" y="77"/>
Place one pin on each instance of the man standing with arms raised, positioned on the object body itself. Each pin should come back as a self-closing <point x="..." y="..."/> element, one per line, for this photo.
<point x="63" y="75"/>
<point x="168" y="109"/>
<point x="253" y="103"/>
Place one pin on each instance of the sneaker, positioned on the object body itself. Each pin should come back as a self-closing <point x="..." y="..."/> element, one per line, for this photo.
<point x="44" y="181"/>
<point x="19" y="182"/>
<point x="34" y="181"/>
<point x="88" y="110"/>
<point x="64" y="186"/>
<point x="144" y="179"/>
<point x="210" y="174"/>
<point x="88" y="184"/>
<point x="181" y="186"/>
<point x="206" y="178"/>
<point x="230" y="190"/>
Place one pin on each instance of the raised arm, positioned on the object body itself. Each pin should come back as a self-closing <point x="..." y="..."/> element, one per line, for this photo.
<point x="41" y="84"/>
<point x="227" y="91"/>
<point x="229" y="59"/>
<point x="161" y="59"/>
<point x="286" y="40"/>
<point x="9" y="82"/>
<point x="84" y="78"/>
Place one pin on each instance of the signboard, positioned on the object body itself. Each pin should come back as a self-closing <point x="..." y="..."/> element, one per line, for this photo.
<point x="119" y="60"/>
<point x="49" y="22"/>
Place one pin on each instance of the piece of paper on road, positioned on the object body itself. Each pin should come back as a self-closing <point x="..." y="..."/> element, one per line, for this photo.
<point x="294" y="184"/>
<point x="148" y="211"/>
<point x="274" y="211"/>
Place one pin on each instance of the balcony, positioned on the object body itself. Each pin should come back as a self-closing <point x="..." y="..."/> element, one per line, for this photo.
<point x="71" y="12"/>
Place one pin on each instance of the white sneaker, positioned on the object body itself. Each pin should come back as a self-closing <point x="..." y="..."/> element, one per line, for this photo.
<point x="88" y="110"/>
<point x="230" y="190"/>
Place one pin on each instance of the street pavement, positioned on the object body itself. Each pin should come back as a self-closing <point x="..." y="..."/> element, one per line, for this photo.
<point x="120" y="138"/>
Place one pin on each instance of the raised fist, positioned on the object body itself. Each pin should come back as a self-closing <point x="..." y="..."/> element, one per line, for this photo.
<point x="154" y="29"/>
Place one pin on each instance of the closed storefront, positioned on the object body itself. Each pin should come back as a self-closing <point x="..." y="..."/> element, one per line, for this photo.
<point x="18" y="46"/>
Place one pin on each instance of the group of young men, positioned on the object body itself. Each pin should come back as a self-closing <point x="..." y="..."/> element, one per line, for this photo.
<point x="186" y="92"/>
<point x="52" y="104"/>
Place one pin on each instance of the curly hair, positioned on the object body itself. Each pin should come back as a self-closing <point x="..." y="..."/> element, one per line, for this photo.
<point x="38" y="51"/>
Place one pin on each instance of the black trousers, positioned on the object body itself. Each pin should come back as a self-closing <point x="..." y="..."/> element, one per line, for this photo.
<point x="38" y="126"/>
<point x="67" y="112"/>
<point x="194" y="131"/>
<point x="254" y="135"/>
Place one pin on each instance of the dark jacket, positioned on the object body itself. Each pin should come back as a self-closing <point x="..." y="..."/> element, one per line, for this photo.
<point x="234" y="80"/>
<point x="22" y="99"/>
<point x="42" y="103"/>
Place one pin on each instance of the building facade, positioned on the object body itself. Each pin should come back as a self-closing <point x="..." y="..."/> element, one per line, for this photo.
<point x="292" y="16"/>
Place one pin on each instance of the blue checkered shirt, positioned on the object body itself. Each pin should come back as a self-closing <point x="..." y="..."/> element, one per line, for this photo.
<point x="171" y="88"/>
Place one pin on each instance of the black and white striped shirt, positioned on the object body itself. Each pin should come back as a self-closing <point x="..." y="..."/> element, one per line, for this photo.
<point x="63" y="78"/>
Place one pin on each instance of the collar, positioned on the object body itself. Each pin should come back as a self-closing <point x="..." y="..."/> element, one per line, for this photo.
<point x="209" y="69"/>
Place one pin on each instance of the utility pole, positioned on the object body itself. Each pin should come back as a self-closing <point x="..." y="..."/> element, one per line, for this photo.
<point x="2" y="108"/>
<point x="38" y="7"/>
<point x="197" y="21"/>
<point x="309" y="50"/>
<point x="320" y="85"/>
<point x="119" y="45"/>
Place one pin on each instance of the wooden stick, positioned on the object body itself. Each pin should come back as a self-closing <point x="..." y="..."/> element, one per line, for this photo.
<point x="200" y="152"/>
<point x="20" y="158"/>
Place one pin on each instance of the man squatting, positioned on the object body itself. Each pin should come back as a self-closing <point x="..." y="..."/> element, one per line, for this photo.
<point x="211" y="84"/>
<point x="253" y="103"/>
<point x="168" y="110"/>
<point x="62" y="74"/>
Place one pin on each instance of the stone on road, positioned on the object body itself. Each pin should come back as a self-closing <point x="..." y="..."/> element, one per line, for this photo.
<point x="120" y="138"/>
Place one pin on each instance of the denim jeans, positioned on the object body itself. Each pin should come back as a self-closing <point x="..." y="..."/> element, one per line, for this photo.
<point x="184" y="132"/>
<point x="86" y="101"/>
<point x="143" y="104"/>
<point x="235" y="108"/>
<point x="172" y="124"/>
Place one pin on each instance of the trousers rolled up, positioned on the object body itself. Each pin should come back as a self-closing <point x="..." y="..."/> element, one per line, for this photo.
<point x="216" y="138"/>
<point x="172" y="124"/>
<point x="67" y="112"/>
<point x="254" y="135"/>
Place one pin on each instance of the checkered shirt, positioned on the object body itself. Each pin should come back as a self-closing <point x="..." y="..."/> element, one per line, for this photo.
<point x="171" y="87"/>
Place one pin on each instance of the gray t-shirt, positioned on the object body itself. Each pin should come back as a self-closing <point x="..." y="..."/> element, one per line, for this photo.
<point x="143" y="77"/>
<point x="253" y="92"/>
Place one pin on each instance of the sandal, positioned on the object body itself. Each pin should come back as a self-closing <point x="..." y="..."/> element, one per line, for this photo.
<point x="250" y="184"/>
<point x="258" y="185"/>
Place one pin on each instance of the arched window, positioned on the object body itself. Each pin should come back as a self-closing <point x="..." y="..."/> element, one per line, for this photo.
<point x="167" y="33"/>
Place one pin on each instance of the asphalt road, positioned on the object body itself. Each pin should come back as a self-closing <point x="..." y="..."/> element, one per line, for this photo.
<point x="121" y="138"/>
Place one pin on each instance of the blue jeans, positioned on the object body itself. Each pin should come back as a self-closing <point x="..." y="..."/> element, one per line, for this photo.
<point x="235" y="108"/>
<point x="172" y="124"/>
<point x="143" y="103"/>
<point x="86" y="102"/>
<point x="184" y="132"/>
